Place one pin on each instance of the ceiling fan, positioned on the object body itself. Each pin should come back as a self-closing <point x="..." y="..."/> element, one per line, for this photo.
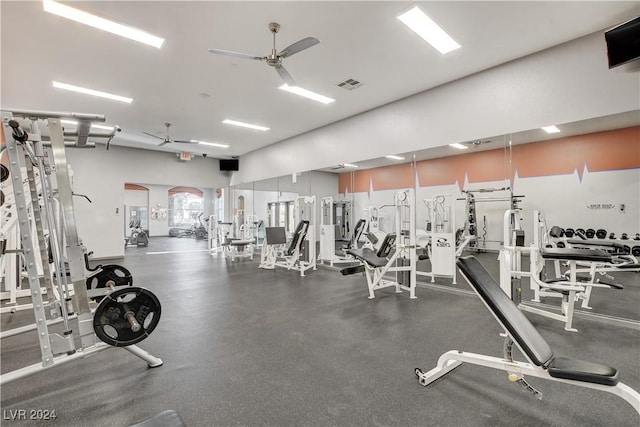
<point x="167" y="139"/>
<point x="275" y="59"/>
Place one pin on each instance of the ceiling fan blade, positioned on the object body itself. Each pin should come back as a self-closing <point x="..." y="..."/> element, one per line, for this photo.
<point x="165" y="142"/>
<point x="155" y="136"/>
<point x="298" y="46"/>
<point x="184" y="142"/>
<point x="285" y="75"/>
<point x="235" y="54"/>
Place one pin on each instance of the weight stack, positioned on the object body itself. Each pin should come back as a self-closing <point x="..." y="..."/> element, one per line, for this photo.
<point x="403" y="276"/>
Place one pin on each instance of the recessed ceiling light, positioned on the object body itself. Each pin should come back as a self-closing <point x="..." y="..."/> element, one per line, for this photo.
<point x="349" y="165"/>
<point x="550" y="129"/>
<point x="244" y="125"/>
<point x="92" y="92"/>
<point x="213" y="144"/>
<point x="74" y="123"/>
<point x="307" y="94"/>
<point x="459" y="146"/>
<point x="101" y="23"/>
<point x="431" y="32"/>
<point x="394" y="157"/>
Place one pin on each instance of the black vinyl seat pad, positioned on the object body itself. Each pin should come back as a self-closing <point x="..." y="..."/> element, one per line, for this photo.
<point x="569" y="254"/>
<point x="368" y="256"/>
<point x="592" y="242"/>
<point x="526" y="335"/>
<point x="579" y="370"/>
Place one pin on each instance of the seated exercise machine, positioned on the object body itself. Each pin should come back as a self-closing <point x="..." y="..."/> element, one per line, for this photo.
<point x="568" y="288"/>
<point x="328" y="236"/>
<point x="276" y="253"/>
<point x="396" y="254"/>
<point x="543" y="363"/>
<point x="125" y="315"/>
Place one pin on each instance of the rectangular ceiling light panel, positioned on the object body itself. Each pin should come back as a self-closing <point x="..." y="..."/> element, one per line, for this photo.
<point x="431" y="32"/>
<point x="244" y="125"/>
<point x="92" y="92"/>
<point x="212" y="144"/>
<point x="101" y="23"/>
<point x="459" y="146"/>
<point x="551" y="129"/>
<point x="307" y="94"/>
<point x="394" y="157"/>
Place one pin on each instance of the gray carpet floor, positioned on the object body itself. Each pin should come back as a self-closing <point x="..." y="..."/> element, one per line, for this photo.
<point x="249" y="347"/>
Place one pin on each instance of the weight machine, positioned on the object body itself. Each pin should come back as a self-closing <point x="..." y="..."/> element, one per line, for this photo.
<point x="328" y="231"/>
<point x="470" y="235"/>
<point x="568" y="288"/>
<point x="300" y="254"/>
<point x="402" y="262"/>
<point x="125" y="315"/>
<point x="439" y="237"/>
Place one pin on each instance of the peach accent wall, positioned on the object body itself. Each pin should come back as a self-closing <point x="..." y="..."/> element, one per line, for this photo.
<point x="600" y="151"/>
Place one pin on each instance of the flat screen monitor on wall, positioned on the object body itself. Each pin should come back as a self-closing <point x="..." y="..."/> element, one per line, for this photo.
<point x="623" y="42"/>
<point x="229" y="164"/>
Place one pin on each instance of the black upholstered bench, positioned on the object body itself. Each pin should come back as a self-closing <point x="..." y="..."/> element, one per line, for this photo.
<point x="543" y="363"/>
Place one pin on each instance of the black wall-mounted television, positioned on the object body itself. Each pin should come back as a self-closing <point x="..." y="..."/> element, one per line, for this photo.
<point x="623" y="42"/>
<point x="229" y="165"/>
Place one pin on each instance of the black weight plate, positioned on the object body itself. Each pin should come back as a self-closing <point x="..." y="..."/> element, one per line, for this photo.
<point x="112" y="327"/>
<point x="590" y="233"/>
<point x="4" y="173"/>
<point x="116" y="273"/>
<point x="1" y="197"/>
<point x="569" y="232"/>
<point x="601" y="233"/>
<point x="635" y="251"/>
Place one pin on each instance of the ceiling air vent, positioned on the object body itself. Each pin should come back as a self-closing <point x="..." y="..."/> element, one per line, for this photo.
<point x="350" y="84"/>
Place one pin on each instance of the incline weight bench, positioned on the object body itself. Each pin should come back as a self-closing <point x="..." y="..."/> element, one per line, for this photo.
<point x="542" y="362"/>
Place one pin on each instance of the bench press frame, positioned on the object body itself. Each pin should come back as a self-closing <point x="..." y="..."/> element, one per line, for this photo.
<point x="516" y="370"/>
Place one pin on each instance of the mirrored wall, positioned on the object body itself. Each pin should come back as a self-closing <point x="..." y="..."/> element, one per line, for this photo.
<point x="549" y="181"/>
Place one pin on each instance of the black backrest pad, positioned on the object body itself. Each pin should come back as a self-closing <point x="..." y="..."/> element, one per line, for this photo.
<point x="357" y="232"/>
<point x="276" y="235"/>
<point x="386" y="246"/>
<point x="298" y="236"/>
<point x="515" y="323"/>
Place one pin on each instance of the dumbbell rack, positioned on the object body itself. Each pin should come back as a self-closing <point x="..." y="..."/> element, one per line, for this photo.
<point x="55" y="348"/>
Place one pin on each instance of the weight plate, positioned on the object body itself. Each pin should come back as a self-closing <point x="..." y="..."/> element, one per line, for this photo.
<point x="4" y="173"/>
<point x="601" y="233"/>
<point x="110" y="323"/>
<point x="635" y="251"/>
<point x="590" y="233"/>
<point x="569" y="232"/>
<point x="116" y="273"/>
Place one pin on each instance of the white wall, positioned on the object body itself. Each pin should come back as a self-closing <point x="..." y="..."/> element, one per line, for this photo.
<point x="101" y="175"/>
<point x="567" y="83"/>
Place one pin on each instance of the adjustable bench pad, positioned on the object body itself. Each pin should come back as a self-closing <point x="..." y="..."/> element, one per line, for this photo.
<point x="601" y="243"/>
<point x="579" y="370"/>
<point x="514" y="321"/>
<point x="597" y="255"/>
<point x="368" y="256"/>
<point x="240" y="242"/>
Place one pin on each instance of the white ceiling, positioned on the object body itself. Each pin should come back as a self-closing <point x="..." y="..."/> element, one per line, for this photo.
<point x="359" y="40"/>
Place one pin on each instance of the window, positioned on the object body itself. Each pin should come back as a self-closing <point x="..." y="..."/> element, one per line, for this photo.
<point x="185" y="203"/>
